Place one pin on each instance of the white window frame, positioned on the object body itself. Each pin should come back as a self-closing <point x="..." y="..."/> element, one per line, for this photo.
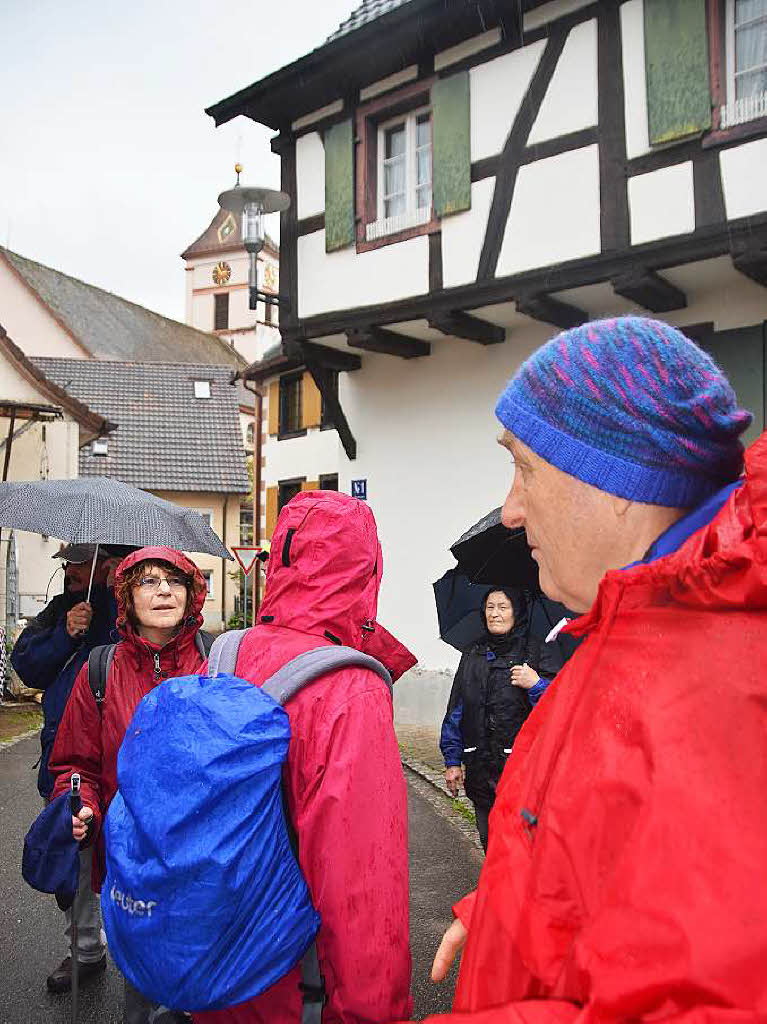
<point x="207" y="575"/>
<point x="749" y="108"/>
<point x="413" y="215"/>
<point x="206" y="513"/>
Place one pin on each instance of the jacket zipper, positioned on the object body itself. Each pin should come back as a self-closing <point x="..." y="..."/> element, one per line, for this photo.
<point x="157" y="669"/>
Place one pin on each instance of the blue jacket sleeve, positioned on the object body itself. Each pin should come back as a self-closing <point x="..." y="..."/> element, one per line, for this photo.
<point x="40" y="654"/>
<point x="535" y="693"/>
<point x="451" y="740"/>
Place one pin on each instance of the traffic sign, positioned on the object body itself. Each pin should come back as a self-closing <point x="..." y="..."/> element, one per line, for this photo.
<point x="247" y="557"/>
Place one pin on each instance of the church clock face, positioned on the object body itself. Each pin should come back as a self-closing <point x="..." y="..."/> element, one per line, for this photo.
<point x="221" y="273"/>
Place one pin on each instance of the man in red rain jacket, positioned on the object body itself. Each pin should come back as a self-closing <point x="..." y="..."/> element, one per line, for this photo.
<point x="625" y="878"/>
<point x="345" y="785"/>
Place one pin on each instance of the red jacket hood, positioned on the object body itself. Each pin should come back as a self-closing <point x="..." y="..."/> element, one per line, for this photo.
<point x="324" y="575"/>
<point x="722" y="565"/>
<point x="174" y="558"/>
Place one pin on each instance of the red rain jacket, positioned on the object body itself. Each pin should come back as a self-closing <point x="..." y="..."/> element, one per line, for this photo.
<point x="346" y="788"/>
<point x="88" y="744"/>
<point x="627" y="872"/>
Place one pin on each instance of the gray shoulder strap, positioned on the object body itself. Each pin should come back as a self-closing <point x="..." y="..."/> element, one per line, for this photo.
<point x="311" y="664"/>
<point x="222" y="657"/>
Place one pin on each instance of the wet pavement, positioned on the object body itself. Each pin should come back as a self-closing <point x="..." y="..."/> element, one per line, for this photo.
<point x="444" y="865"/>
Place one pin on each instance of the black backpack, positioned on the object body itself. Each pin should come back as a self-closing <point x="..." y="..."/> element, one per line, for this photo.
<point x="100" y="662"/>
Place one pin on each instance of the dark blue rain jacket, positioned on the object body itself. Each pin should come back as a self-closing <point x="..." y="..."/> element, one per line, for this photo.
<point x="47" y="658"/>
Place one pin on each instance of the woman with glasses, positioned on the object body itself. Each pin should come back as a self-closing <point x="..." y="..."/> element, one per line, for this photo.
<point x="160" y="594"/>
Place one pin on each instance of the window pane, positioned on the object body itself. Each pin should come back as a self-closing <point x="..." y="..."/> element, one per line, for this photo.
<point x="395" y="206"/>
<point x="423" y="166"/>
<point x="423" y="197"/>
<point x="394" y="178"/>
<point x="751" y="47"/>
<point x="423" y="130"/>
<point x="394" y="141"/>
<point x="745" y="10"/>
<point x="753" y="83"/>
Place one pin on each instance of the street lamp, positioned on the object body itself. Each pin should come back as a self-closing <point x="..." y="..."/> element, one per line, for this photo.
<point x="252" y="204"/>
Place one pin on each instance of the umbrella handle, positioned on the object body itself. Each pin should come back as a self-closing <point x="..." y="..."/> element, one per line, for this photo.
<point x="75" y="800"/>
<point x="93" y="570"/>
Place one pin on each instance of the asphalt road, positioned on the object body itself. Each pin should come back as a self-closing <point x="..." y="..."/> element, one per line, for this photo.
<point x="443" y="866"/>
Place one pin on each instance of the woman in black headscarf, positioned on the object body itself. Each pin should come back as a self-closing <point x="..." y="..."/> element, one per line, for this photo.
<point x="498" y="681"/>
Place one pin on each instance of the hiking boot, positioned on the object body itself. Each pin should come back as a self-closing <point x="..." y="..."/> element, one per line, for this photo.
<point x="61" y="979"/>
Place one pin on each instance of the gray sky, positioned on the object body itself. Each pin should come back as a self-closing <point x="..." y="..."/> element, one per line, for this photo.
<point x="109" y="167"/>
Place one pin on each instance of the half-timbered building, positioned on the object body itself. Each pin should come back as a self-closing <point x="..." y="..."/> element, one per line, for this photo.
<point x="468" y="177"/>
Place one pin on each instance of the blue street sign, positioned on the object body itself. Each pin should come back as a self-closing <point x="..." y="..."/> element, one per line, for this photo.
<point x="360" y="489"/>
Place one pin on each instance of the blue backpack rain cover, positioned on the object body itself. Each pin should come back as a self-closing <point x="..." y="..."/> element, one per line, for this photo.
<point x="204" y="903"/>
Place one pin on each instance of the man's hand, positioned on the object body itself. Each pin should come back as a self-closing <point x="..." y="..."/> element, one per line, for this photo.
<point x="79" y="619"/>
<point x="454" y="779"/>
<point x="452" y="943"/>
<point x="81" y="823"/>
<point x="524" y="676"/>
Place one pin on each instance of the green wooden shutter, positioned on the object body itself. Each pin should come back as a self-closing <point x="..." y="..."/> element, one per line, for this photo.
<point x="676" y="59"/>
<point x="451" y="144"/>
<point x="741" y="354"/>
<point x="339" y="186"/>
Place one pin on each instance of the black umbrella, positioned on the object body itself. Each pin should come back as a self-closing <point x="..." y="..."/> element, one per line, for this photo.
<point x="100" y="510"/>
<point x="459" y="603"/>
<point x="490" y="552"/>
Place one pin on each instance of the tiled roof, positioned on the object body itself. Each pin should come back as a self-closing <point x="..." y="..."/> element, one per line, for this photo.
<point x="223" y="234"/>
<point x="166" y="440"/>
<point x="109" y="327"/>
<point x="367" y="11"/>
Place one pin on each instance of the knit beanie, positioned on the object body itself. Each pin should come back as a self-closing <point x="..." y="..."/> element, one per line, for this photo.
<point x="632" y="407"/>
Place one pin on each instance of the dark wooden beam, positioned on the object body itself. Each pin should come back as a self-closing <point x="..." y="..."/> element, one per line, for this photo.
<point x="331" y="358"/>
<point x="332" y="405"/>
<point x="649" y="290"/>
<point x="551" y="311"/>
<point x="377" y="339"/>
<point x="752" y="263"/>
<point x="471" y="328"/>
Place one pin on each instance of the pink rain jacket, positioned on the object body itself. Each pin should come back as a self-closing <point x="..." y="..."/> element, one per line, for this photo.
<point x="346" y="788"/>
<point x="626" y="878"/>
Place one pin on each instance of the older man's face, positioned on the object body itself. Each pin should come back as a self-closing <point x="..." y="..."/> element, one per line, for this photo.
<point x="566" y="522"/>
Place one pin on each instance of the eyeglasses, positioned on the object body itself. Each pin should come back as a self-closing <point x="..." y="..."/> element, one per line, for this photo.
<point x="150" y="584"/>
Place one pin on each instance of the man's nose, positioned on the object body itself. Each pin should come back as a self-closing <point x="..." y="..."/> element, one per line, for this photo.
<point x="512" y="513"/>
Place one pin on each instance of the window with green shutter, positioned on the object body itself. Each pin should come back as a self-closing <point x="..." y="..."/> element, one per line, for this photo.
<point x="677" y="69"/>
<point x="452" y="144"/>
<point x="339" y="186"/>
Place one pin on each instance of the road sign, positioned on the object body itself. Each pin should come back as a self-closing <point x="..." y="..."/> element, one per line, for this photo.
<point x="360" y="489"/>
<point x="247" y="557"/>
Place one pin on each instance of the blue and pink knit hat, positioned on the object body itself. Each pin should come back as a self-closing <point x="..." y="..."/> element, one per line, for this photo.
<point x="631" y="406"/>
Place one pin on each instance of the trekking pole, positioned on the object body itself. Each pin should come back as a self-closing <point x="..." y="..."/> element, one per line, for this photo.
<point x="75" y="803"/>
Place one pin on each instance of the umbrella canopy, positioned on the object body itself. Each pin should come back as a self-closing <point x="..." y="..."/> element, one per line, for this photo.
<point x="490" y="552"/>
<point x="459" y="603"/>
<point x="100" y="510"/>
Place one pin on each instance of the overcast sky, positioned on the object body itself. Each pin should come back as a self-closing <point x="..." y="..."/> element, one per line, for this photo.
<point x="109" y="166"/>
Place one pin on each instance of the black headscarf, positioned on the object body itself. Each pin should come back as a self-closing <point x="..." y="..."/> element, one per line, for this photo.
<point x="501" y="643"/>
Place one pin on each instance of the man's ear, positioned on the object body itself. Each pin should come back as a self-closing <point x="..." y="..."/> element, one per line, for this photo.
<point x="620" y="506"/>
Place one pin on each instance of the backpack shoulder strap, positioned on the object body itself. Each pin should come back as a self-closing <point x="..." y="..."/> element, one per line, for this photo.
<point x="99" y="663"/>
<point x="203" y="642"/>
<point x="222" y="656"/>
<point x="308" y="666"/>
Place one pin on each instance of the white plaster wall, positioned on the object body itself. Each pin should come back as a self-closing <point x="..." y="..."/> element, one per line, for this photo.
<point x="661" y="203"/>
<point x="310" y="175"/>
<point x="426" y="437"/>
<point x="570" y="102"/>
<point x="634" y="79"/>
<point x="497" y="89"/>
<point x="463" y="235"/>
<point x="316" y="454"/>
<point x="390" y="82"/>
<point x="337" y="280"/>
<point x="555" y="212"/>
<point x="28" y="322"/>
<point x="317" y="115"/>
<point x="744" y="178"/>
<point x="467" y="48"/>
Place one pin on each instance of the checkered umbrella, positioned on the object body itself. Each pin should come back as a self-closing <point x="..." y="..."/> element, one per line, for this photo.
<point x="100" y="510"/>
